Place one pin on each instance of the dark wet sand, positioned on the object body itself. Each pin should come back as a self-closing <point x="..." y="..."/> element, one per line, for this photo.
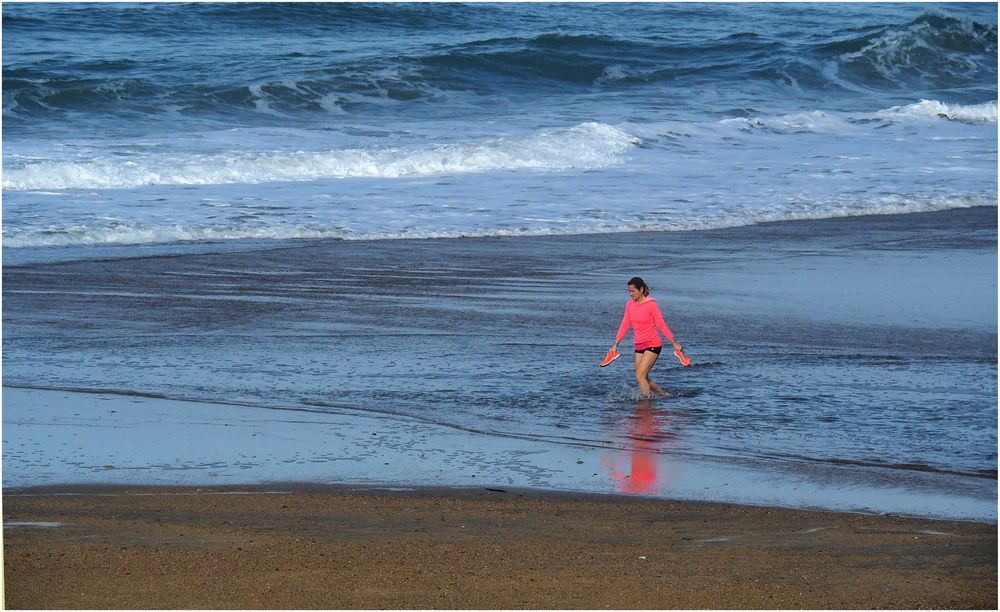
<point x="329" y="547"/>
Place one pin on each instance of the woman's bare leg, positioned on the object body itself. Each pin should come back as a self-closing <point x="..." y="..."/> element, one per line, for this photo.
<point x="643" y="364"/>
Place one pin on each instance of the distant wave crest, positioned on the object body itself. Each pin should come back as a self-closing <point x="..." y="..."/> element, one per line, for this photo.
<point x="933" y="52"/>
<point x="934" y="49"/>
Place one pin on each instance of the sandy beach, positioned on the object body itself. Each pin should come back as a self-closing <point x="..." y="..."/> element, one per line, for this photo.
<point x="328" y="547"/>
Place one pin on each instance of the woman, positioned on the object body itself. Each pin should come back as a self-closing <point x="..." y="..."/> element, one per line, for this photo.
<point x="643" y="315"/>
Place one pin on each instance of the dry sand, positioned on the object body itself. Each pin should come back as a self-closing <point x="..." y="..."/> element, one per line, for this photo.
<point x="329" y="547"/>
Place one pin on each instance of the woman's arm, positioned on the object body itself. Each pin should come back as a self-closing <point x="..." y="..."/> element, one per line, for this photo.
<point x="662" y="325"/>
<point x="622" y="329"/>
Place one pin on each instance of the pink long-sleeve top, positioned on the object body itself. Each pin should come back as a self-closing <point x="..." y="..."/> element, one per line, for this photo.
<point x="644" y="318"/>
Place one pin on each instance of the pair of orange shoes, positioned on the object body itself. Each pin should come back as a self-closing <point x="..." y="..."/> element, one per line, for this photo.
<point x="613" y="354"/>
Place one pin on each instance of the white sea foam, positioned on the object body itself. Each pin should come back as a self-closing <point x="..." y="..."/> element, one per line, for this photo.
<point x="833" y="123"/>
<point x="815" y="121"/>
<point x="611" y="74"/>
<point x="973" y="113"/>
<point x="144" y="233"/>
<point x="120" y="233"/>
<point x="587" y="146"/>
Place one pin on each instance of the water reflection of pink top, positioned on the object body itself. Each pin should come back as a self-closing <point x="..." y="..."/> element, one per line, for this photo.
<point x="643" y="477"/>
<point x="644" y="318"/>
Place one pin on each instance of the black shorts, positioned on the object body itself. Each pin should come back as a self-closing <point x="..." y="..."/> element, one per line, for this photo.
<point x="655" y="349"/>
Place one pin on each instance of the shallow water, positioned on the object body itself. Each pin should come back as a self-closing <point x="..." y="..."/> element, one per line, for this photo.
<point x="802" y="358"/>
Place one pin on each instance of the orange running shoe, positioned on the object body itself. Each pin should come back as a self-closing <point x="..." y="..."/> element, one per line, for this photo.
<point x="683" y="358"/>
<point x="611" y="356"/>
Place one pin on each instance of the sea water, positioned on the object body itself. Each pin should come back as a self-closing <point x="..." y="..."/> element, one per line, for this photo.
<point x="283" y="155"/>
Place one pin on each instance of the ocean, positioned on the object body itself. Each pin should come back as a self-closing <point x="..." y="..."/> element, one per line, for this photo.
<point x="167" y="123"/>
<point x="380" y="209"/>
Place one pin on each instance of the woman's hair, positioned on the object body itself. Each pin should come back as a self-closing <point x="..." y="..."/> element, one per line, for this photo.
<point x="639" y="284"/>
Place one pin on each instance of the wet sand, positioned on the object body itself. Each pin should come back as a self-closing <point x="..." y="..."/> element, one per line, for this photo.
<point x="313" y="546"/>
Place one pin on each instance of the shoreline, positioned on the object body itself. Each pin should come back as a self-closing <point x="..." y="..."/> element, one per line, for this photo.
<point x="330" y="547"/>
<point x="389" y="489"/>
<point x="259" y="446"/>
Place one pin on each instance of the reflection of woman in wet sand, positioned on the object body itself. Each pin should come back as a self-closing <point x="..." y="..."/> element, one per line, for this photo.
<point x="644" y="434"/>
<point x="643" y="315"/>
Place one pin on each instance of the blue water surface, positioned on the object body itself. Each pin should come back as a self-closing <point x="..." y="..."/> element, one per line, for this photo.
<point x="178" y="123"/>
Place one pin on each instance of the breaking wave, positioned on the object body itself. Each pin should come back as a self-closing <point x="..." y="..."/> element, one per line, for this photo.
<point x="973" y="113"/>
<point x="934" y="49"/>
<point x="586" y="146"/>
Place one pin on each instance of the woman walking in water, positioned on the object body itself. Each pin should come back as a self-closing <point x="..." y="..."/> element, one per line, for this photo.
<point x="643" y="315"/>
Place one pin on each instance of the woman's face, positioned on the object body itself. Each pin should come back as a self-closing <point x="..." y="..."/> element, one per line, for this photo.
<point x="634" y="293"/>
